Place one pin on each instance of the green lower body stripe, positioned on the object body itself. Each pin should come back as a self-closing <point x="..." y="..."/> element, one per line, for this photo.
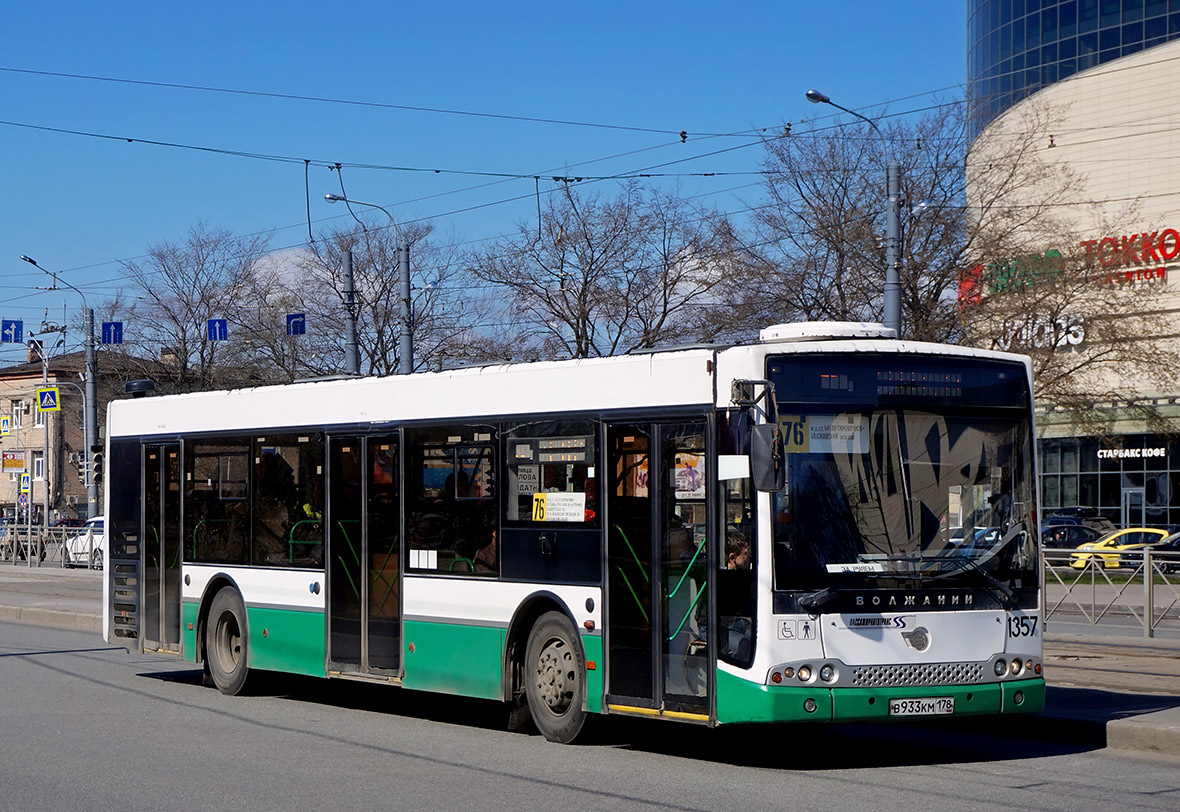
<point x="288" y="640"/>
<point x="454" y="659"/>
<point x="742" y="701"/>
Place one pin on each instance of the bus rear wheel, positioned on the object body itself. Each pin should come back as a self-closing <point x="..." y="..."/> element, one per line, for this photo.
<point x="555" y="678"/>
<point x="227" y="650"/>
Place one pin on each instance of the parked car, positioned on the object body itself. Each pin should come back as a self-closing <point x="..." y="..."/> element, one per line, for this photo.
<point x="1169" y="562"/>
<point x="1106" y="550"/>
<point x="1067" y="536"/>
<point x="1086" y="516"/>
<point x="86" y="547"/>
<point x="69" y="522"/>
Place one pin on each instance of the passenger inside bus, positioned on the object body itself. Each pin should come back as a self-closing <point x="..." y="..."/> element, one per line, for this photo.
<point x="275" y="493"/>
<point x="735" y="601"/>
<point x="737" y="551"/>
<point x="487" y="557"/>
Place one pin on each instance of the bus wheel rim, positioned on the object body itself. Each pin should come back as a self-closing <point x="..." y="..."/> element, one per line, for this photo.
<point x="229" y="642"/>
<point x="555" y="676"/>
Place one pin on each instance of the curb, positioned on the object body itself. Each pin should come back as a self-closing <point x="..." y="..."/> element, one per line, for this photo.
<point x="53" y="618"/>
<point x="1159" y="734"/>
<point x="1118" y="720"/>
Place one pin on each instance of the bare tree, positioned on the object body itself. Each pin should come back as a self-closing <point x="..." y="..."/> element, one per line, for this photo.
<point x="817" y="248"/>
<point x="997" y="206"/>
<point x="600" y="275"/>
<point x="444" y="307"/>
<point x="173" y="292"/>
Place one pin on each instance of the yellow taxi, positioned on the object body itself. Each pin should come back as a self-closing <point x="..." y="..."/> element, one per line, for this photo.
<point x="1105" y="551"/>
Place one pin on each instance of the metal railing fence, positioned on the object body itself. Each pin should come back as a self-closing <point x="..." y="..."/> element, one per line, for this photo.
<point x="48" y="547"/>
<point x="1128" y="589"/>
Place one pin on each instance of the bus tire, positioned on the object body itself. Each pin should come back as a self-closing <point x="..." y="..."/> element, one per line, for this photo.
<point x="227" y="646"/>
<point x="555" y="678"/>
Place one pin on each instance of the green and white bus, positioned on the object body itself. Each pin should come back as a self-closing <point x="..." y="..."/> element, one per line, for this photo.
<point x="827" y="525"/>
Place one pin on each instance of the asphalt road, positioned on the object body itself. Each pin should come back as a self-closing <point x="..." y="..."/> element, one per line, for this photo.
<point x="84" y="726"/>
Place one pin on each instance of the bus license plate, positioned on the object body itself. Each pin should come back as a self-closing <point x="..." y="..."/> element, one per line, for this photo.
<point x="922" y="707"/>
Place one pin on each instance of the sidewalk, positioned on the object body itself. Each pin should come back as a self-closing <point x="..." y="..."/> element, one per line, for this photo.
<point x="1120" y="692"/>
<point x="51" y="596"/>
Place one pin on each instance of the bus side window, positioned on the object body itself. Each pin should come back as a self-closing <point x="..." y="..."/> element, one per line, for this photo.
<point x="552" y="473"/>
<point x="216" y="513"/>
<point x="288" y="496"/>
<point x="451" y="518"/>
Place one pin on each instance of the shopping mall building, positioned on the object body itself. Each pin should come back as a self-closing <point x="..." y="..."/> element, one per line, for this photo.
<point x="1109" y="70"/>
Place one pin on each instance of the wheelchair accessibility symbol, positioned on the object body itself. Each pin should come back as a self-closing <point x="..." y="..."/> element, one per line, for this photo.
<point x="796" y="629"/>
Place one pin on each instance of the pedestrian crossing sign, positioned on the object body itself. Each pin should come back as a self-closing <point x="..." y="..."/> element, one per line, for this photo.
<point x="26" y="483"/>
<point x="5" y="425"/>
<point x="49" y="400"/>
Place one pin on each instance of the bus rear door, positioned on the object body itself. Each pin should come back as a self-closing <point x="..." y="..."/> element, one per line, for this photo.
<point x="161" y="548"/>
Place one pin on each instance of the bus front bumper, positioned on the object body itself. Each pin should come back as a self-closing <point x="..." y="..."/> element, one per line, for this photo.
<point x="740" y="701"/>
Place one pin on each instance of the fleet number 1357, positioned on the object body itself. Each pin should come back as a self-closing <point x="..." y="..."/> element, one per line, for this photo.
<point x="1022" y="626"/>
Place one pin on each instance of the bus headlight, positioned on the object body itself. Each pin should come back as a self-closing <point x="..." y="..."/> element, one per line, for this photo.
<point x="805" y="673"/>
<point x="1001" y="667"/>
<point x="828" y="672"/>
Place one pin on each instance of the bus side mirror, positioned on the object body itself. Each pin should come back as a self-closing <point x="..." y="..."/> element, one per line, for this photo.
<point x="767" y="469"/>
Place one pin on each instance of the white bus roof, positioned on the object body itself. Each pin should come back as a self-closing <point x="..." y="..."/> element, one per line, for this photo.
<point x="699" y="377"/>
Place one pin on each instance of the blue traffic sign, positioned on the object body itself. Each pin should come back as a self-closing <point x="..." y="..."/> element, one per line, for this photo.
<point x="112" y="332"/>
<point x="218" y="329"/>
<point x="12" y="331"/>
<point x="49" y="400"/>
<point x="296" y="324"/>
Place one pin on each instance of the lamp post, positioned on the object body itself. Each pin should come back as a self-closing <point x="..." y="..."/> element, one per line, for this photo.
<point x="892" y="218"/>
<point x="90" y="397"/>
<point x="405" y="341"/>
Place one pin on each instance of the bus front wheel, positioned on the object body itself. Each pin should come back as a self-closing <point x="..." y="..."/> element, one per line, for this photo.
<point x="226" y="642"/>
<point x="555" y="678"/>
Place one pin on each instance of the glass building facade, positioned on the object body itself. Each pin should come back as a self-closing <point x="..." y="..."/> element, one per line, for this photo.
<point x="1016" y="47"/>
<point x="1134" y="481"/>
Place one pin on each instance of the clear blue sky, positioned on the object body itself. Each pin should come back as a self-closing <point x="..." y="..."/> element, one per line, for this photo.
<point x="78" y="204"/>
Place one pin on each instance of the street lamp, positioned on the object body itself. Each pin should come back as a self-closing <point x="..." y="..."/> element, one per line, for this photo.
<point x="405" y="341"/>
<point x="90" y="396"/>
<point x="892" y="218"/>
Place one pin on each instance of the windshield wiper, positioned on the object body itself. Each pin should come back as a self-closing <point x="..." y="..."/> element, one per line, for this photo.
<point x="1005" y="596"/>
<point x="813" y="601"/>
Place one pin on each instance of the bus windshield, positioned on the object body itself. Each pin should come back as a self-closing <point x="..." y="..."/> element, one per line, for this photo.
<point x="893" y="498"/>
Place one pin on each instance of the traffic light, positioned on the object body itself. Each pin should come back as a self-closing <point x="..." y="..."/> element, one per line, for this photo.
<point x="96" y="462"/>
<point x="83" y="466"/>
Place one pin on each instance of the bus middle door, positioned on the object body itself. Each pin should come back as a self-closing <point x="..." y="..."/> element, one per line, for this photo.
<point x="364" y="595"/>
<point x="657" y="589"/>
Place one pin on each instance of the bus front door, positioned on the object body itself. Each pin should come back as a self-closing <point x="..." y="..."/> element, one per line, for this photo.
<point x="161" y="548"/>
<point x="364" y="618"/>
<point x="657" y="590"/>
